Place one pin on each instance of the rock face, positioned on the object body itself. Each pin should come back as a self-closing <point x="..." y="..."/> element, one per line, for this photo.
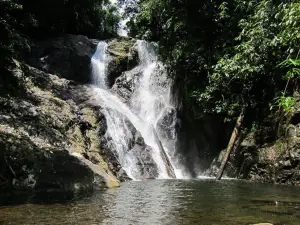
<point x="124" y="85"/>
<point x="166" y="124"/>
<point x="122" y="57"/>
<point x="145" y="167"/>
<point x="49" y="134"/>
<point x="278" y="162"/>
<point x="68" y="57"/>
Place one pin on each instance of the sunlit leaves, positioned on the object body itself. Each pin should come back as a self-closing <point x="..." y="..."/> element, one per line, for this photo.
<point x="256" y="57"/>
<point x="294" y="68"/>
<point x="224" y="10"/>
<point x="289" y="16"/>
<point x="286" y="103"/>
<point x="226" y="53"/>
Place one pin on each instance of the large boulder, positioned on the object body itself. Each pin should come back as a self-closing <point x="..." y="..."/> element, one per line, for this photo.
<point x="122" y="57"/>
<point x="167" y="124"/>
<point x="125" y="84"/>
<point x="145" y="166"/>
<point x="68" y="57"/>
<point x="277" y="162"/>
<point x="26" y="166"/>
<point x="142" y="166"/>
<point x="49" y="136"/>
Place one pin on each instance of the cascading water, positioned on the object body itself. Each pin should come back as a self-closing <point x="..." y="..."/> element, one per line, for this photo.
<point x="152" y="101"/>
<point x="149" y="107"/>
<point x="99" y="66"/>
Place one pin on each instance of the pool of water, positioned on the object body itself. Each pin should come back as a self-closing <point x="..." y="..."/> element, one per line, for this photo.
<point x="175" y="202"/>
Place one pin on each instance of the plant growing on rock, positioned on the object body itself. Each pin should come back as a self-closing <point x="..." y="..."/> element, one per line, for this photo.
<point x="272" y="157"/>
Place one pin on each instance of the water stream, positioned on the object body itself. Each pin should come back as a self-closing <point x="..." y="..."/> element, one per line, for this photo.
<point x="149" y="107"/>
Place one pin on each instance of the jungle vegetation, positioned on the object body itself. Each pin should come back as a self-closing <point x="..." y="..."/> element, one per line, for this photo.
<point x="226" y="55"/>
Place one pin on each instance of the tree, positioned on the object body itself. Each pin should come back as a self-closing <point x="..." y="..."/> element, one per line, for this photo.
<point x="94" y="18"/>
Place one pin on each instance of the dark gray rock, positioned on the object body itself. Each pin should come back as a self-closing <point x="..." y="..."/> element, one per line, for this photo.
<point x="241" y="160"/>
<point x="122" y="175"/>
<point x="167" y="124"/>
<point x="147" y="168"/>
<point x="125" y="84"/>
<point x="62" y="172"/>
<point x="136" y="147"/>
<point x="68" y="56"/>
<point x="29" y="167"/>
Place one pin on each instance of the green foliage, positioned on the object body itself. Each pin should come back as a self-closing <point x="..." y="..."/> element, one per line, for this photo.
<point x="22" y="20"/>
<point x="192" y="36"/>
<point x="94" y="18"/>
<point x="243" y="77"/>
<point x="289" y="25"/>
<point x="287" y="104"/>
<point x="224" y="55"/>
<point x="254" y="127"/>
<point x="11" y="40"/>
<point x="293" y="65"/>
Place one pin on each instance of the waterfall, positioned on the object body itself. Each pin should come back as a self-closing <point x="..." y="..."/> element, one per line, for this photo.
<point x="149" y="107"/>
<point x="99" y="66"/>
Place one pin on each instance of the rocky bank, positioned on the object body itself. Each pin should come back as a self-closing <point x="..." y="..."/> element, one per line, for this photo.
<point x="267" y="154"/>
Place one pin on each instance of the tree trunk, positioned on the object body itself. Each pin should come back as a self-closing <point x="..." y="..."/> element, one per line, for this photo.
<point x="230" y="145"/>
<point x="169" y="167"/>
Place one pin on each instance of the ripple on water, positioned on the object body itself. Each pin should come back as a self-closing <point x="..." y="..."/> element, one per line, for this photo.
<point x="173" y="202"/>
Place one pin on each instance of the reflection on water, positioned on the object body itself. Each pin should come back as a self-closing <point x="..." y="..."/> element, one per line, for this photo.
<point x="173" y="202"/>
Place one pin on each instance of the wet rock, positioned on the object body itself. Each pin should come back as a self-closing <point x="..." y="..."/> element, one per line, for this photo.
<point x="122" y="57"/>
<point x="141" y="154"/>
<point x="107" y="149"/>
<point x="146" y="168"/>
<point x="215" y="165"/>
<point x="262" y="224"/>
<point x="166" y="126"/>
<point x="124" y="84"/>
<point x="122" y="175"/>
<point x="102" y="178"/>
<point x="42" y="127"/>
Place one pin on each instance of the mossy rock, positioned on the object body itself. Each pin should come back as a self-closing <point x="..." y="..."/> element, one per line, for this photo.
<point x="122" y="57"/>
<point x="40" y="128"/>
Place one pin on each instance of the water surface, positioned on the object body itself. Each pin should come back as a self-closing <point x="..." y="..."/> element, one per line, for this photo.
<point x="175" y="202"/>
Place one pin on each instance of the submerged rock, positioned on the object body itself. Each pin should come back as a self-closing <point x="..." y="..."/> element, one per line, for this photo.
<point x="263" y="224"/>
